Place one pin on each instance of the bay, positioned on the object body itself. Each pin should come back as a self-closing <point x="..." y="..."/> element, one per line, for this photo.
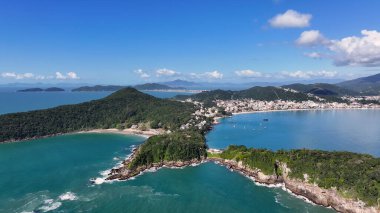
<point x="341" y="130"/>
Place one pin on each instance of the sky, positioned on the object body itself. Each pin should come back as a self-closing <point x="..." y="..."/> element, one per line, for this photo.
<point x="235" y="41"/>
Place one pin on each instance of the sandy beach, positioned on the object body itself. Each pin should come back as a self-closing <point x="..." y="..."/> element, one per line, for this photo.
<point x="146" y="133"/>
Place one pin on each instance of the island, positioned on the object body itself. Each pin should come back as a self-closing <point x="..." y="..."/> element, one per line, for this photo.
<point x="50" y="89"/>
<point x="31" y="90"/>
<point x="54" y="89"/>
<point x="177" y="138"/>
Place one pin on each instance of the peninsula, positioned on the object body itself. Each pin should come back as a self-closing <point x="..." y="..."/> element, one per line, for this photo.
<point x="178" y="140"/>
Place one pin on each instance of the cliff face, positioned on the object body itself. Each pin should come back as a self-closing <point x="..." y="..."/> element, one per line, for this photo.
<point x="325" y="197"/>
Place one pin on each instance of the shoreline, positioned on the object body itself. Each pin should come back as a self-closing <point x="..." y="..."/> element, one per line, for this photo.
<point x="145" y="134"/>
<point x="295" y="110"/>
<point x="308" y="192"/>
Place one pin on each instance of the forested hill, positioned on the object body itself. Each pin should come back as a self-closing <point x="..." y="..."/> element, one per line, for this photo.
<point x="369" y="85"/>
<point x="321" y="89"/>
<point x="354" y="175"/>
<point x="120" y="109"/>
<point x="258" y="93"/>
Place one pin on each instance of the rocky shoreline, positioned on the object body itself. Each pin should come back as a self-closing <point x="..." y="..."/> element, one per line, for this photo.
<point x="124" y="173"/>
<point x="311" y="192"/>
<point x="324" y="197"/>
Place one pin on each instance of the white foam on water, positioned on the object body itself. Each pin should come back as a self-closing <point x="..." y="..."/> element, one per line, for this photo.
<point x="105" y="172"/>
<point x="50" y="205"/>
<point x="68" y="196"/>
<point x="98" y="181"/>
<point x="298" y="196"/>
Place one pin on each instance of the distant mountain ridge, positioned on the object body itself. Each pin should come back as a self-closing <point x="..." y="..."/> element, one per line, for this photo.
<point x="111" y="88"/>
<point x="369" y="85"/>
<point x="268" y="93"/>
<point x="321" y="89"/>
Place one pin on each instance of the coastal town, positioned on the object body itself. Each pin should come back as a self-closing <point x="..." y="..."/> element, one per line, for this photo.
<point x="251" y="105"/>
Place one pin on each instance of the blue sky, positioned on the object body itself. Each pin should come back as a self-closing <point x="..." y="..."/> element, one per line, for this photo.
<point x="127" y="42"/>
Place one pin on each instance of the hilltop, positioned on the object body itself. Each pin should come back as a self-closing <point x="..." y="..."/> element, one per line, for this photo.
<point x="369" y="85"/>
<point x="121" y="109"/>
<point x="258" y="93"/>
<point x="321" y="89"/>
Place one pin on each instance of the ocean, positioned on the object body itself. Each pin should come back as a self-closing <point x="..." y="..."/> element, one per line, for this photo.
<point x="53" y="174"/>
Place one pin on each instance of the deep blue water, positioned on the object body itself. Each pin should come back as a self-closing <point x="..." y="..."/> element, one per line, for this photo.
<point x="348" y="130"/>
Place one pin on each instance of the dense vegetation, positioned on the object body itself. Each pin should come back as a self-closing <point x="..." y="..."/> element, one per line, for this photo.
<point x="176" y="146"/>
<point x="354" y="175"/>
<point x="119" y="110"/>
<point x="369" y="85"/>
<point x="321" y="89"/>
<point x="258" y="93"/>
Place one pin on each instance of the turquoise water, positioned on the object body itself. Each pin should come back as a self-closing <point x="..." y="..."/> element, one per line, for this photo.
<point x="52" y="175"/>
<point x="348" y="130"/>
<point x="26" y="101"/>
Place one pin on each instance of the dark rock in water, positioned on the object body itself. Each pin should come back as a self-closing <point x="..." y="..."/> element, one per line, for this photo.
<point x="265" y="119"/>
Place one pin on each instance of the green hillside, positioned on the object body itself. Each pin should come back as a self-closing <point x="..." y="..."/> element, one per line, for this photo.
<point x="369" y="85"/>
<point x="258" y="93"/>
<point x="120" y="109"/>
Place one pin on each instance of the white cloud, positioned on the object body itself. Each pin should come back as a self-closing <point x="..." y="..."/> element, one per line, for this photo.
<point x="214" y="75"/>
<point x="141" y="73"/>
<point x="17" y="75"/>
<point x="314" y="55"/>
<point x="208" y="75"/>
<point x="59" y="75"/>
<point x="249" y="73"/>
<point x="309" y="74"/>
<point x="357" y="51"/>
<point x="28" y="75"/>
<point x="68" y="76"/>
<point x="165" y="72"/>
<point x="310" y="38"/>
<point x="291" y="19"/>
<point x="72" y="75"/>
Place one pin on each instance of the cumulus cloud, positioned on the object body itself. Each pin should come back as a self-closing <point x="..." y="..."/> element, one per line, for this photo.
<point x="290" y="19"/>
<point x="249" y="73"/>
<point x="311" y="37"/>
<point x="68" y="76"/>
<point x="141" y="73"/>
<point x="17" y="75"/>
<point x="314" y="55"/>
<point x="360" y="51"/>
<point x="214" y="74"/>
<point x="58" y="76"/>
<point x="166" y="72"/>
<point x="208" y="75"/>
<point x="309" y="74"/>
